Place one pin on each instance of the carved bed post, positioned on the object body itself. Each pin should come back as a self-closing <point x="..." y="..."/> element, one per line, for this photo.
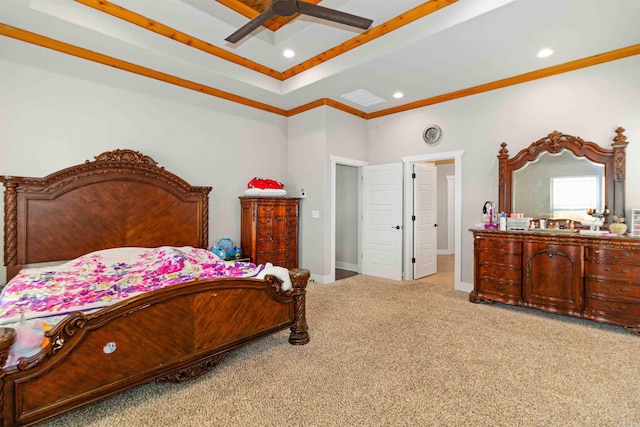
<point x="10" y="226"/>
<point x="205" y="220"/>
<point x="299" y="330"/>
<point x="619" y="145"/>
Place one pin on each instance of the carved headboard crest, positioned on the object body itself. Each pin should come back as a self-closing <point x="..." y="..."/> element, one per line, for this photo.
<point x="125" y="156"/>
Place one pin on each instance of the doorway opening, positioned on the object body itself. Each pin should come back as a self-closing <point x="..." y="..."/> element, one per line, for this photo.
<point x="347" y="194"/>
<point x="456" y="156"/>
<point x="356" y="164"/>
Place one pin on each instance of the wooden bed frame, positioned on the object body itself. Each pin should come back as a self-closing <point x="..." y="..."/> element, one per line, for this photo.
<point x="170" y="335"/>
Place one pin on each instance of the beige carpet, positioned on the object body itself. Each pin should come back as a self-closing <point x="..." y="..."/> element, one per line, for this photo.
<point x="388" y="353"/>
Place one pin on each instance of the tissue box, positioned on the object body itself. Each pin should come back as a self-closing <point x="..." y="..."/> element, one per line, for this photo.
<point x="518" y="223"/>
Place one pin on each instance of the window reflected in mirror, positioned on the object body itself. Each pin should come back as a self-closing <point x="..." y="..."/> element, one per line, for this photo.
<point x="572" y="196"/>
<point x="559" y="186"/>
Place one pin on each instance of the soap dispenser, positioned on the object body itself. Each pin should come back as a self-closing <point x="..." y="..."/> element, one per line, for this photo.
<point x="503" y="221"/>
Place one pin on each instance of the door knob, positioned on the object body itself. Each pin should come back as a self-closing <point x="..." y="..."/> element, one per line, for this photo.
<point x="397" y="227"/>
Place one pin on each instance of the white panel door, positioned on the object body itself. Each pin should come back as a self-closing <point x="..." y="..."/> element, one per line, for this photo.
<point x="425" y="236"/>
<point x="382" y="221"/>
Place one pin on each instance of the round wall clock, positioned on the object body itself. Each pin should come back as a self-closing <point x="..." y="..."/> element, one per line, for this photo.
<point x="432" y="134"/>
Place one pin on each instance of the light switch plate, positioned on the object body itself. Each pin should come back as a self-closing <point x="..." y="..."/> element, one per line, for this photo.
<point x="315" y="214"/>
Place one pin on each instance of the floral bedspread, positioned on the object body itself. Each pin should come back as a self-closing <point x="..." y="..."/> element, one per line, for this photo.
<point x="94" y="280"/>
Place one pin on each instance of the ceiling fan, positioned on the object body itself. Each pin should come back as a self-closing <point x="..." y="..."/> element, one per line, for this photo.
<point x="291" y="7"/>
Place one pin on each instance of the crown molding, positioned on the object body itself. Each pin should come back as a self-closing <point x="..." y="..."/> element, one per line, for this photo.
<point x="46" y="42"/>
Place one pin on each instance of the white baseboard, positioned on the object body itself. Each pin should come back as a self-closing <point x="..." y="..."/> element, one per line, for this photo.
<point x="347" y="266"/>
<point x="464" y="287"/>
<point x="320" y="279"/>
<point x="444" y="252"/>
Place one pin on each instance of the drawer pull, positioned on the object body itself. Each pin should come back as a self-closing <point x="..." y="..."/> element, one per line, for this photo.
<point x="611" y="255"/>
<point x="499" y="288"/>
<point x="620" y="291"/>
<point x="622" y="255"/>
<point x="622" y="309"/>
<point x="617" y="273"/>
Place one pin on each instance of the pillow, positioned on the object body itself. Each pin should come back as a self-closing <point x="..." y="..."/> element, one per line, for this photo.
<point x="265" y="183"/>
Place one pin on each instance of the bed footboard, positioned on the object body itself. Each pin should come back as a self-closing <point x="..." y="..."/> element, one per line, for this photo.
<point x="171" y="335"/>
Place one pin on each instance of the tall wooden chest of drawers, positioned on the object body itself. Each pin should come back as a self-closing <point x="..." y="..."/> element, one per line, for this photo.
<point x="269" y="230"/>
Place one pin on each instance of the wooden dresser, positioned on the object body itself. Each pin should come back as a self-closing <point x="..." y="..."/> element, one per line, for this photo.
<point x="591" y="277"/>
<point x="269" y="230"/>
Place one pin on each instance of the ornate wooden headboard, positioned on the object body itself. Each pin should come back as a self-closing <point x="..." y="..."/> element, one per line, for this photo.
<point x="122" y="198"/>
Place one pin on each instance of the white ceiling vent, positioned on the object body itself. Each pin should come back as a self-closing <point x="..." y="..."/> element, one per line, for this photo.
<point x="362" y="97"/>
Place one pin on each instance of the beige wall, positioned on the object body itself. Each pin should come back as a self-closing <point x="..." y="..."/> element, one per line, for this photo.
<point x="315" y="136"/>
<point x="307" y="166"/>
<point x="57" y="111"/>
<point x="590" y="103"/>
<point x="50" y="119"/>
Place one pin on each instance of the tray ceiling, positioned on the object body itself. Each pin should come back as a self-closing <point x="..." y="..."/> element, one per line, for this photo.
<point x="431" y="51"/>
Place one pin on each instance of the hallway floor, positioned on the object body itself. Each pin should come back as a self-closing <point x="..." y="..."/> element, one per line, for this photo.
<point x="343" y="274"/>
<point x="444" y="276"/>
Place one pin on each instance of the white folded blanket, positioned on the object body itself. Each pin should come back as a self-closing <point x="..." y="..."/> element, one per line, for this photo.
<point x="279" y="272"/>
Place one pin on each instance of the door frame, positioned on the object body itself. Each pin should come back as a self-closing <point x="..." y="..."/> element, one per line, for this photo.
<point x="447" y="155"/>
<point x="337" y="160"/>
<point x="451" y="206"/>
<point x="408" y="208"/>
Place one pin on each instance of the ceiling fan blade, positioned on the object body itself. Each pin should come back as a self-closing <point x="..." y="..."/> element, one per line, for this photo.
<point x="333" y="15"/>
<point x="250" y="26"/>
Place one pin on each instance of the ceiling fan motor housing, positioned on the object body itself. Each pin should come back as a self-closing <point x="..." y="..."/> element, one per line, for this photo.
<point x="290" y="8"/>
<point x="285" y="7"/>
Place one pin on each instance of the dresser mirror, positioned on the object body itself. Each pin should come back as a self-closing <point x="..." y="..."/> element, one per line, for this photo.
<point x="559" y="185"/>
<point x="561" y="176"/>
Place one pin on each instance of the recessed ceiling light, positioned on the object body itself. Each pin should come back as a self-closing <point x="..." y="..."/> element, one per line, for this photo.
<point x="545" y="52"/>
<point x="288" y="53"/>
<point x="398" y="95"/>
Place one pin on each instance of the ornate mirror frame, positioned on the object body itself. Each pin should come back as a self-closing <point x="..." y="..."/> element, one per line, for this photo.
<point x="613" y="160"/>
